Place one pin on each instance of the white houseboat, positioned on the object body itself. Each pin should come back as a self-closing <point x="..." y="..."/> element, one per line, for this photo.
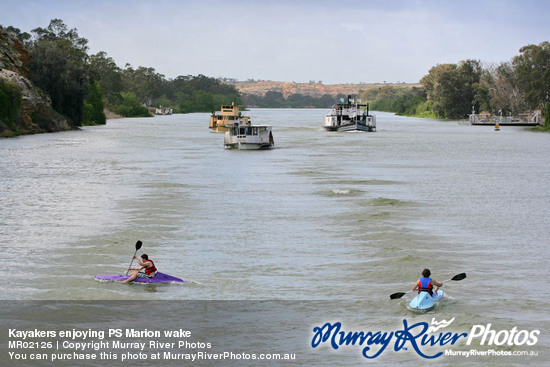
<point x="227" y="116"/>
<point x="349" y="115"/>
<point x="251" y="137"/>
<point x="163" y="111"/>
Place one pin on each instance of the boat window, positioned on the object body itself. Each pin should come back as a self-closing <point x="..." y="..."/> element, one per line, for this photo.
<point x="254" y="131"/>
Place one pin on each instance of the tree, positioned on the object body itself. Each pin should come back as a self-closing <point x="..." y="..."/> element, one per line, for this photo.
<point x="532" y="68"/>
<point x="104" y="70"/>
<point x="452" y="88"/>
<point x="10" y="104"/>
<point x="274" y="99"/>
<point x="507" y="95"/>
<point x="131" y="106"/>
<point x="23" y="36"/>
<point x="93" y="105"/>
<point x="59" y="67"/>
<point x="144" y="82"/>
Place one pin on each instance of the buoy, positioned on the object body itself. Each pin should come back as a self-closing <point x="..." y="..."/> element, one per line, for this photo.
<point x="497" y="128"/>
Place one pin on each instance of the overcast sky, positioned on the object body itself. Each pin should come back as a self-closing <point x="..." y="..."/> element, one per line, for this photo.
<point x="330" y="41"/>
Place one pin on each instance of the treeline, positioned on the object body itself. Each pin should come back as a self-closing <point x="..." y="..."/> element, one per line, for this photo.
<point x="10" y="104"/>
<point x="450" y="91"/>
<point x="81" y="85"/>
<point x="274" y="99"/>
<point x="126" y="90"/>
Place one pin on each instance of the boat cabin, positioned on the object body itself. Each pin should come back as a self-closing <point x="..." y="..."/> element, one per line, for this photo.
<point x="249" y="137"/>
<point x="227" y="116"/>
<point x="349" y="115"/>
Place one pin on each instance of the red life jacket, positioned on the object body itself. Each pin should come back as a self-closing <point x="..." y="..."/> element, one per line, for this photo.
<point x="425" y="285"/>
<point x="151" y="269"/>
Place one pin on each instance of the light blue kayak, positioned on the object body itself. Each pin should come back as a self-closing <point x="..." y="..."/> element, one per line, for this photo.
<point x="424" y="302"/>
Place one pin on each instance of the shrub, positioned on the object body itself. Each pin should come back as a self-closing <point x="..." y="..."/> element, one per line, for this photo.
<point x="10" y="103"/>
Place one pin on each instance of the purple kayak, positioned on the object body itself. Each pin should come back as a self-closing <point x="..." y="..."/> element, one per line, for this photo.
<point x="159" y="278"/>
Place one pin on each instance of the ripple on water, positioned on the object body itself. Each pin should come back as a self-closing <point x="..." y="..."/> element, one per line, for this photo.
<point x="340" y="192"/>
<point x="384" y="202"/>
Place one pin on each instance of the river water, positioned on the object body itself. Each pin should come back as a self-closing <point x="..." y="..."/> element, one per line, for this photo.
<point x="341" y="218"/>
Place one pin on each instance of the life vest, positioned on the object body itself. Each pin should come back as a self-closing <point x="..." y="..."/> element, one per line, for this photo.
<point x="425" y="285"/>
<point x="151" y="269"/>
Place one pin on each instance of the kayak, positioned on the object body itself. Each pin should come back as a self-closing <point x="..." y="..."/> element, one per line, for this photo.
<point x="159" y="278"/>
<point x="424" y="302"/>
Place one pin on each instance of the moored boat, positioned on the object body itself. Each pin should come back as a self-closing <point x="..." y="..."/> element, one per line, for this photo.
<point x="249" y="137"/>
<point x="349" y="115"/>
<point x="226" y="117"/>
<point x="487" y="119"/>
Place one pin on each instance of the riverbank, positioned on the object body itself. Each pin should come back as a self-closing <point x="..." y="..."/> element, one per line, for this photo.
<point x="111" y="115"/>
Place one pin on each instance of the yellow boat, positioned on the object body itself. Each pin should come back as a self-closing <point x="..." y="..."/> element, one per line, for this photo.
<point x="228" y="115"/>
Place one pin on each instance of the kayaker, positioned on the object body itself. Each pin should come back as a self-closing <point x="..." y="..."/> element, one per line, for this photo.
<point x="148" y="267"/>
<point x="425" y="283"/>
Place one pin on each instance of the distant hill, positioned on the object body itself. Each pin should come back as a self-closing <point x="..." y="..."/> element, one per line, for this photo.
<point x="260" y="87"/>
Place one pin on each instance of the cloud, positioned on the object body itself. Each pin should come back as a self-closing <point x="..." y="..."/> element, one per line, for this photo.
<point x="352" y="41"/>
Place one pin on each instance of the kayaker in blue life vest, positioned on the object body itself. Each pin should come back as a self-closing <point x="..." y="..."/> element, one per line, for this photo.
<point x="148" y="267"/>
<point x="425" y="284"/>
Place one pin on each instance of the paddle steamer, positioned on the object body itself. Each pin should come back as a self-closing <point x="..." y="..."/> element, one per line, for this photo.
<point x="249" y="137"/>
<point x="349" y="115"/>
<point x="227" y="116"/>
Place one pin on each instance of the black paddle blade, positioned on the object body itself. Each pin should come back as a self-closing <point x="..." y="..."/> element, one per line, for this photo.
<point x="397" y="295"/>
<point x="139" y="243"/>
<point x="459" y="276"/>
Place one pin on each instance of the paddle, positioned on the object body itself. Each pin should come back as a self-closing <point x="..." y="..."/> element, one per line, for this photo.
<point x="138" y="246"/>
<point x="456" y="278"/>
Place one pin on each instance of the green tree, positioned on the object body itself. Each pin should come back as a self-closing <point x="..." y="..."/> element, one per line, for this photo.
<point x="144" y="82"/>
<point x="131" y="107"/>
<point x="93" y="106"/>
<point x="23" y="36"/>
<point x="59" y="67"/>
<point x="326" y="101"/>
<point x="10" y="104"/>
<point x="452" y="88"/>
<point x="532" y="68"/>
<point x="403" y="101"/>
<point x="274" y="99"/>
<point x="104" y="70"/>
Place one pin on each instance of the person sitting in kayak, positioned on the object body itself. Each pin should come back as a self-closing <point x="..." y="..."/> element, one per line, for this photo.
<point x="148" y="267"/>
<point x="425" y="284"/>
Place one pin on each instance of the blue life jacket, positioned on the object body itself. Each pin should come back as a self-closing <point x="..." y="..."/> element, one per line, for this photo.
<point x="426" y="285"/>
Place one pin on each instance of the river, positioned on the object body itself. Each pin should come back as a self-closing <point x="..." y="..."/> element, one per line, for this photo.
<point x="341" y="218"/>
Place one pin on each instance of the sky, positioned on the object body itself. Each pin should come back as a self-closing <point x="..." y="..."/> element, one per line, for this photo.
<point x="353" y="41"/>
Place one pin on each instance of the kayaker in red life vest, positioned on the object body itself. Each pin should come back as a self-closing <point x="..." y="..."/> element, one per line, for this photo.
<point x="425" y="284"/>
<point x="148" y="267"/>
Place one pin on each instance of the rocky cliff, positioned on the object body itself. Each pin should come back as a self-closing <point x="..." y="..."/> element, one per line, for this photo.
<point x="36" y="114"/>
